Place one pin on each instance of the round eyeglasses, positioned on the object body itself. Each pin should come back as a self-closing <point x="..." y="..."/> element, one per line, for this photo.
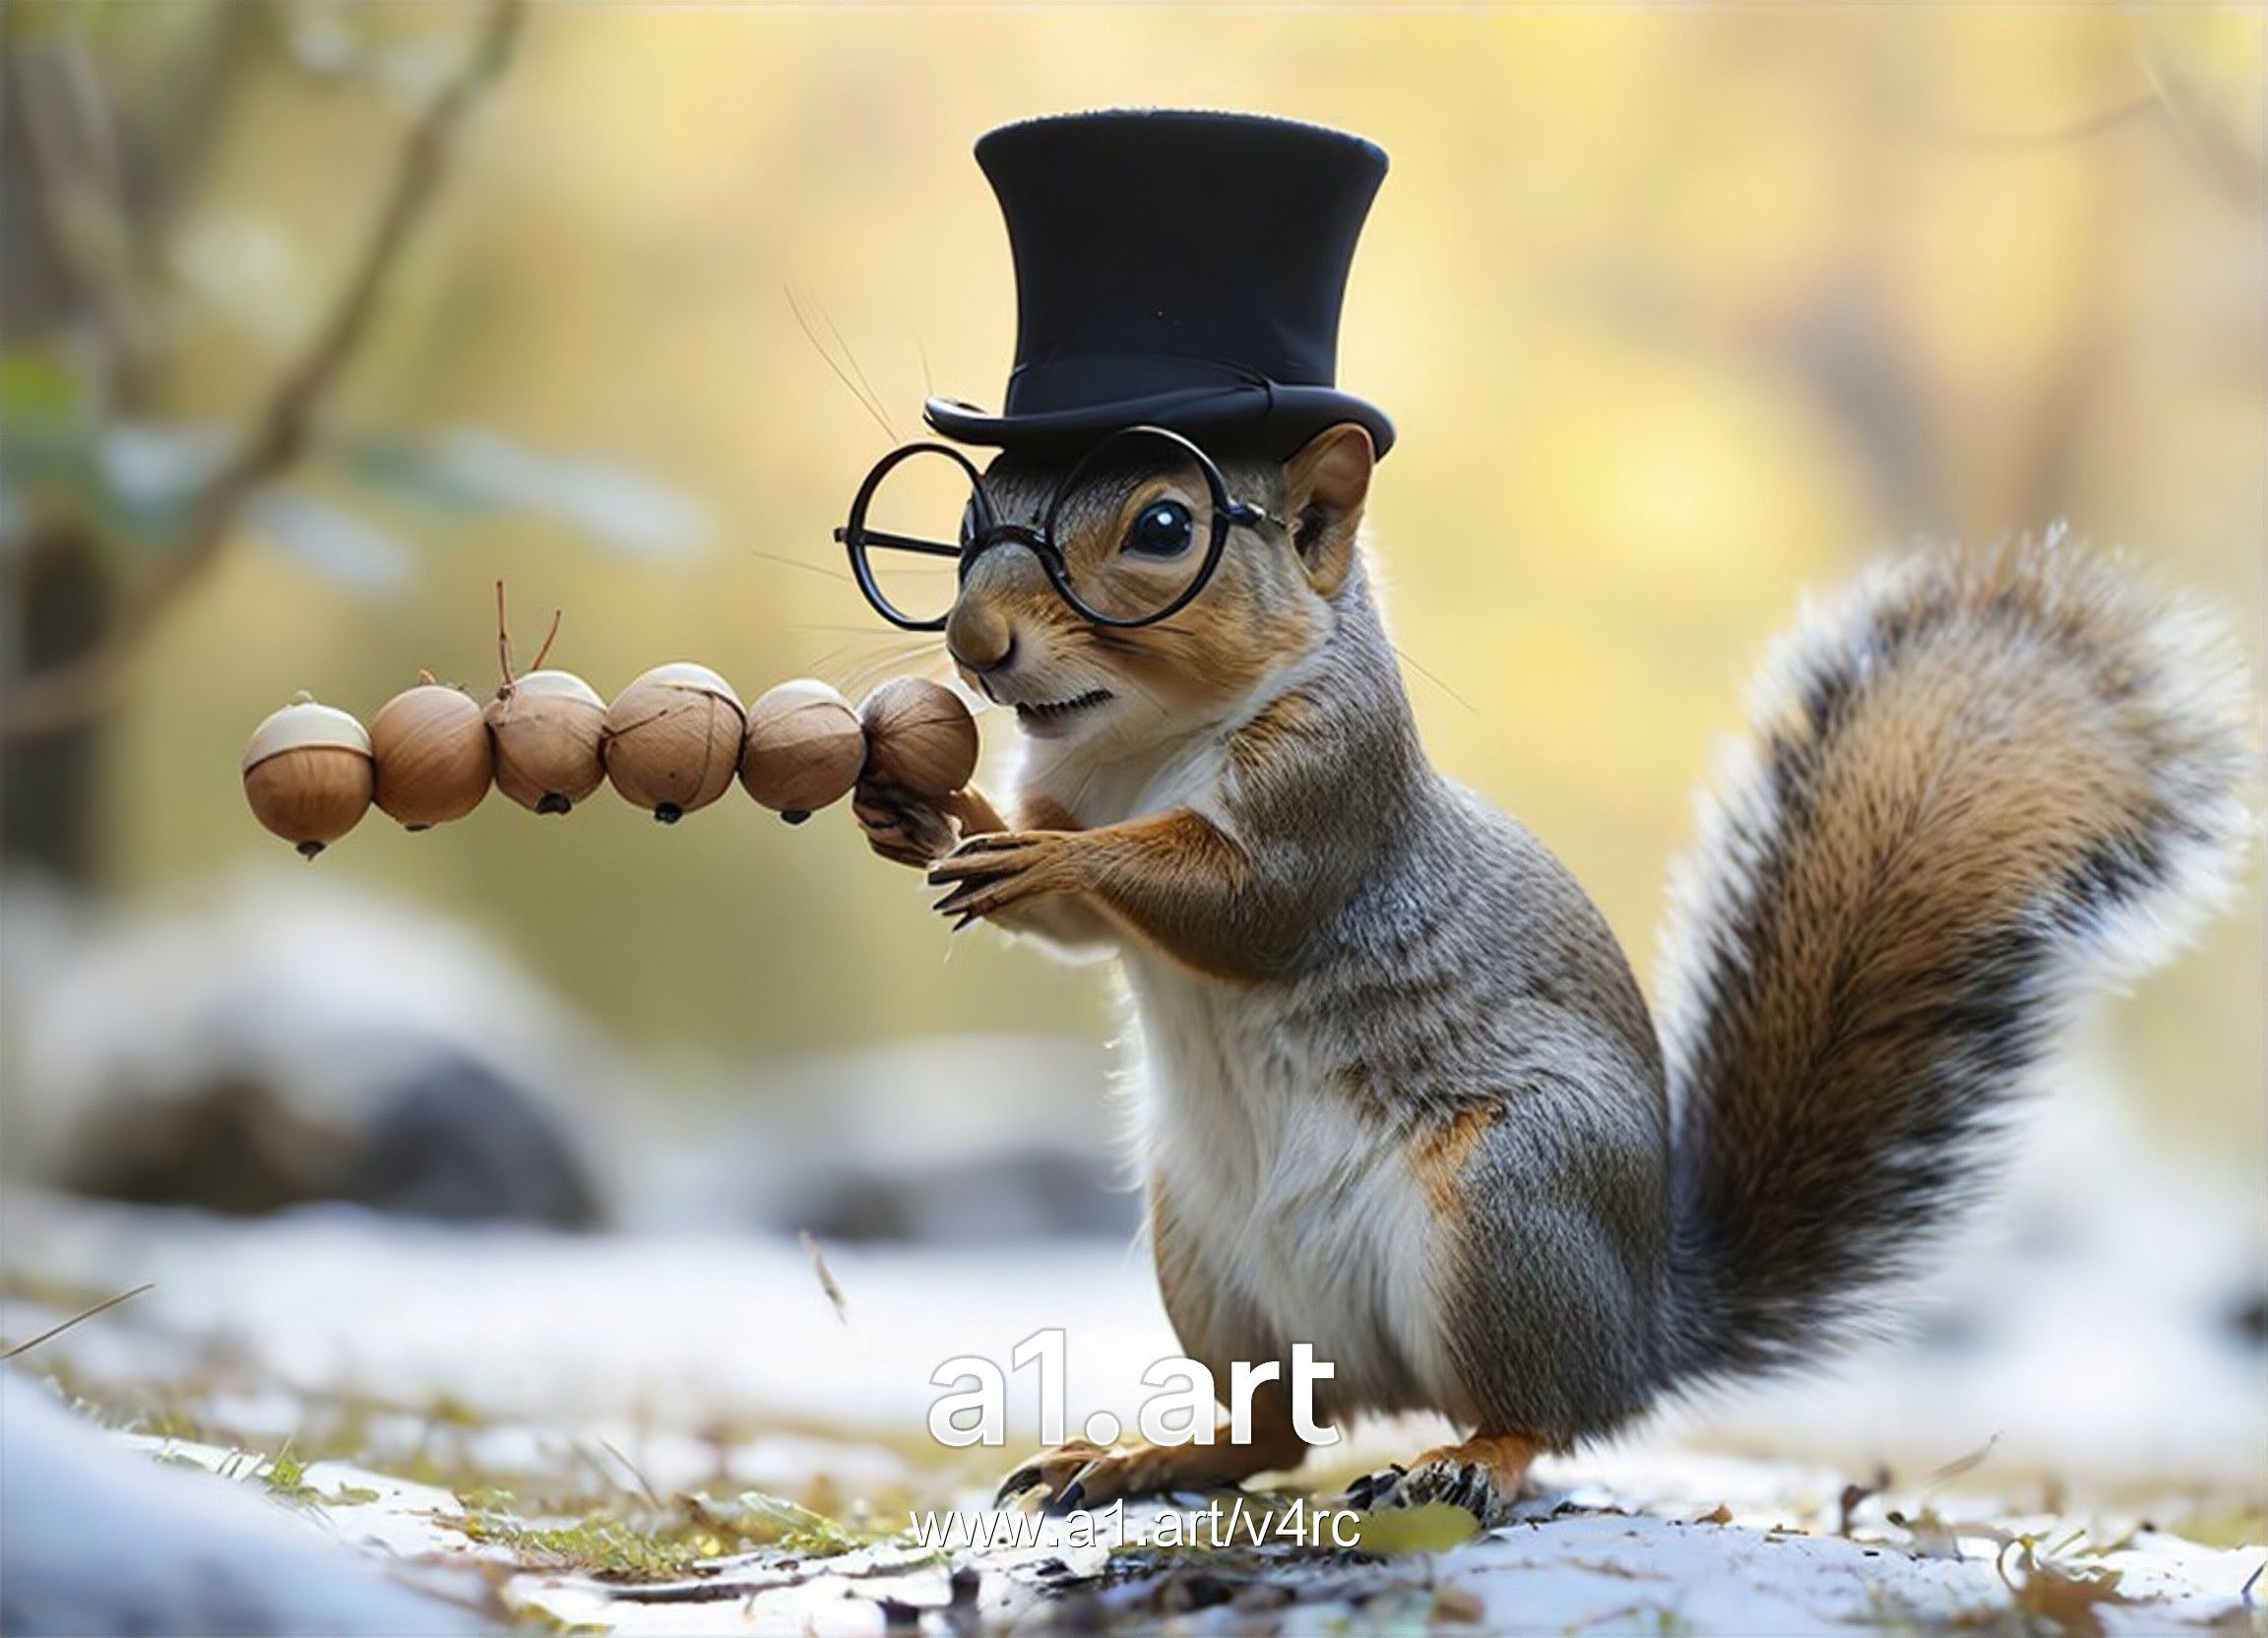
<point x="1131" y="534"/>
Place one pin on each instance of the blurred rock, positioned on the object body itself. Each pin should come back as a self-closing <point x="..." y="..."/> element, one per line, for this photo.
<point x="270" y="1045"/>
<point x="454" y="1141"/>
<point x="958" y="1139"/>
<point x="2248" y="1320"/>
<point x="1026" y="1193"/>
<point x="463" y="1144"/>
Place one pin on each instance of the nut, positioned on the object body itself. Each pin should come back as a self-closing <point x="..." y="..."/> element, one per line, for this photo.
<point x="434" y="759"/>
<point x="546" y="727"/>
<point x="919" y="737"/>
<point x="672" y="740"/>
<point x="804" y="749"/>
<point x="308" y="775"/>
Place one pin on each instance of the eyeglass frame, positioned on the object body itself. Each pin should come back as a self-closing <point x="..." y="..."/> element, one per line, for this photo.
<point x="857" y="540"/>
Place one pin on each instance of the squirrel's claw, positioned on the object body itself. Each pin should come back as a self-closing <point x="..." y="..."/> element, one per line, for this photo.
<point x="1466" y="1484"/>
<point x="900" y="827"/>
<point x="1364" y="1492"/>
<point x="1070" y="1498"/>
<point x="987" y="873"/>
<point x="1482" y="1475"/>
<point x="1059" y="1472"/>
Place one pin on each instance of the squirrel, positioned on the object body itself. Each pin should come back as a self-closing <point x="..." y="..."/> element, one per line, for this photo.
<point x="1400" y="1095"/>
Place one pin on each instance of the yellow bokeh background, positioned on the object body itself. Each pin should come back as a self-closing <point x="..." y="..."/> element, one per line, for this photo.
<point x="1678" y="311"/>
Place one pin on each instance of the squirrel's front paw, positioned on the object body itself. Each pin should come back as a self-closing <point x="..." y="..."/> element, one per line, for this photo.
<point x="900" y="825"/>
<point x="1080" y="1474"/>
<point x="990" y="873"/>
<point x="1053" y="1473"/>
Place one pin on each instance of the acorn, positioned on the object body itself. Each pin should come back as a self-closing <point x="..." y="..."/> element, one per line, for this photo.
<point x="308" y="775"/>
<point x="546" y="727"/>
<point x="804" y="749"/>
<point x="919" y="737"/>
<point x="434" y="759"/>
<point x="673" y="739"/>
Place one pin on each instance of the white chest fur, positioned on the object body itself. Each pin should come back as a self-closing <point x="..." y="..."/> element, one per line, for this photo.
<point x="1298" y="1210"/>
<point x="1304" y="1218"/>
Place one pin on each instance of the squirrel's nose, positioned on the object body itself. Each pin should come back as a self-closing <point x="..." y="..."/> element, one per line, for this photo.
<point x="979" y="634"/>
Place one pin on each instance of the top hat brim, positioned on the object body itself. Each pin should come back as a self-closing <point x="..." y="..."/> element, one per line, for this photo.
<point x="1271" y="419"/>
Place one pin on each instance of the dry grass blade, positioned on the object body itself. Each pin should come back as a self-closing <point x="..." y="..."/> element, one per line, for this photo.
<point x="1961" y="1464"/>
<point x="826" y="1275"/>
<point x="652" y="1497"/>
<point x="1855" y="1495"/>
<point x="84" y="1314"/>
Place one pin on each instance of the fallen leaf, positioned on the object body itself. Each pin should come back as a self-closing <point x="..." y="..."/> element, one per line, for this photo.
<point x="1435" y="1527"/>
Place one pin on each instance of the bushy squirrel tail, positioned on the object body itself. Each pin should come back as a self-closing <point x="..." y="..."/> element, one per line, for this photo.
<point x="1979" y="784"/>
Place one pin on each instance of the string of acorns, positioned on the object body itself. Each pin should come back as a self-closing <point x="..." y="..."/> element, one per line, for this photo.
<point x="672" y="742"/>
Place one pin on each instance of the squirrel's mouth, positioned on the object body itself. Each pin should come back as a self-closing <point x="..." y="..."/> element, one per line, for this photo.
<point x="1044" y="716"/>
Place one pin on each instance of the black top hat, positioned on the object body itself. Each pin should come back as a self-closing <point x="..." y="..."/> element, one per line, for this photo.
<point x="1178" y="270"/>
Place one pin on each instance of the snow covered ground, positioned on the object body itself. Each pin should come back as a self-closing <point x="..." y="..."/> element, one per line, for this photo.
<point x="106" y="1539"/>
<point x="604" y="1376"/>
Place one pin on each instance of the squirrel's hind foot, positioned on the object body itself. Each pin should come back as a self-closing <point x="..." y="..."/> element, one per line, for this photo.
<point x="1484" y="1475"/>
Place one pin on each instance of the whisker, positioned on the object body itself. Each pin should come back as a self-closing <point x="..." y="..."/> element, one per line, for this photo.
<point x="1144" y="696"/>
<point x="862" y="678"/>
<point x="1114" y="642"/>
<point x="894" y="643"/>
<point x="835" y="575"/>
<point x="1434" y="680"/>
<point x="851" y="358"/>
<point x="898" y="646"/>
<point x="869" y="405"/>
<point x="2087" y="125"/>
<point x="1085" y="786"/>
<point x="819" y="666"/>
<point x="1101" y="637"/>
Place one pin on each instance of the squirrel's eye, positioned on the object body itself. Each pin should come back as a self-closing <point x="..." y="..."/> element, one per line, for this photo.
<point x="1163" y="529"/>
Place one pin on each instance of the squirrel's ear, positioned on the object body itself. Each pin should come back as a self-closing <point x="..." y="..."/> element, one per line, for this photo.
<point x="1323" y="487"/>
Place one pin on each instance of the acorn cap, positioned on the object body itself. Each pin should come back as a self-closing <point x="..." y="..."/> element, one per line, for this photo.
<point x="561" y="684"/>
<point x="546" y="728"/>
<point x="684" y="674"/>
<point x="798" y="692"/>
<point x="308" y="774"/>
<point x="305" y="725"/>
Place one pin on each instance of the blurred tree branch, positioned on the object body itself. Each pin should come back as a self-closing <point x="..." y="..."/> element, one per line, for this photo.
<point x="82" y="209"/>
<point x="74" y="174"/>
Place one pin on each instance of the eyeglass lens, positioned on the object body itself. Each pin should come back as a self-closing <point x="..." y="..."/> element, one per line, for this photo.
<point x="1133" y="524"/>
<point x="922" y="501"/>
